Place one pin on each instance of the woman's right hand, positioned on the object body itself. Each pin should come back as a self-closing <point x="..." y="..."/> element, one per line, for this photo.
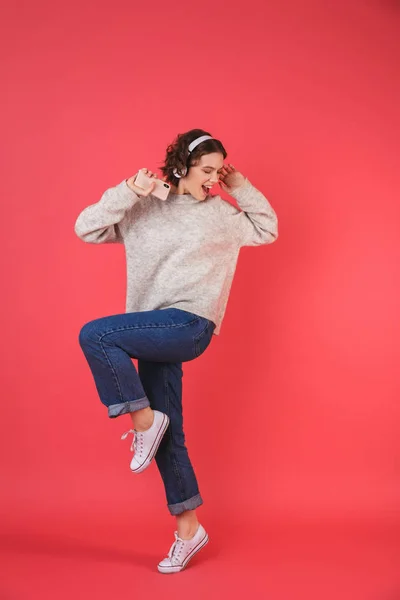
<point x="138" y="190"/>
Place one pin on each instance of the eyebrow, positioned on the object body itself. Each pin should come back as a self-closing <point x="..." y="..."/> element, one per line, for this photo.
<point x="209" y="167"/>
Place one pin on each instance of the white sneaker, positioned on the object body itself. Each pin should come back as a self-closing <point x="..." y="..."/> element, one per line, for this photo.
<point x="182" y="551"/>
<point x="145" y="443"/>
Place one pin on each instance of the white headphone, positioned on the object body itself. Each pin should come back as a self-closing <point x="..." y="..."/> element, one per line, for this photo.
<point x="192" y="146"/>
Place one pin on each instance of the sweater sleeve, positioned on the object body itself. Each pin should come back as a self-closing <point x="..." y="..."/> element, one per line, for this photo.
<point x="256" y="223"/>
<point x="106" y="221"/>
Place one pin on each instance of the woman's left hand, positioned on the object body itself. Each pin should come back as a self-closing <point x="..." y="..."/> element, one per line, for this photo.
<point x="230" y="179"/>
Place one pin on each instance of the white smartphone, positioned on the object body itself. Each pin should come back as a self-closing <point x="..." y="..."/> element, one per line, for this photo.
<point x="161" y="189"/>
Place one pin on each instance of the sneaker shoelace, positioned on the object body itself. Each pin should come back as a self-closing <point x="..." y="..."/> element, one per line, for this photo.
<point x="176" y="549"/>
<point x="137" y="440"/>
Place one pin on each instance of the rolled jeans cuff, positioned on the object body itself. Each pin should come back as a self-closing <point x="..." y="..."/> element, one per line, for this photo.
<point x="115" y="410"/>
<point x="191" y="504"/>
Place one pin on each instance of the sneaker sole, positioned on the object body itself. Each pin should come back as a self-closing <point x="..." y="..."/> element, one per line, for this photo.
<point x="155" y="446"/>
<point x="179" y="568"/>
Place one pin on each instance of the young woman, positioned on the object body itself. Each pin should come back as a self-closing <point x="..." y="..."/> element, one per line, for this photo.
<point x="181" y="257"/>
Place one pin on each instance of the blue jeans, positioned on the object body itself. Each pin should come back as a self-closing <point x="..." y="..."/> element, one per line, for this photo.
<point x="161" y="340"/>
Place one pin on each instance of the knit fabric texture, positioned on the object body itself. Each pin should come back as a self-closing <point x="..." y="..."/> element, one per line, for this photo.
<point x="180" y="252"/>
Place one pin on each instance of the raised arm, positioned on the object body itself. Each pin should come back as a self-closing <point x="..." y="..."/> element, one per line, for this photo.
<point x="103" y="222"/>
<point x="256" y="223"/>
<point x="107" y="220"/>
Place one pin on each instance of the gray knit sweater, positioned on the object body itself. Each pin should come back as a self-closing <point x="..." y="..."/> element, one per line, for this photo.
<point x="180" y="252"/>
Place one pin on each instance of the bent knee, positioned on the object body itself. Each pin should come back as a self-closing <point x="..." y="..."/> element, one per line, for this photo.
<point x="89" y="333"/>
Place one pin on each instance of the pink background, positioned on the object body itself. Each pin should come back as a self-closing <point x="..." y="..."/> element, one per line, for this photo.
<point x="291" y="415"/>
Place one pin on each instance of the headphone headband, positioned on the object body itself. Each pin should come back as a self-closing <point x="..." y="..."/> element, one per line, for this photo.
<point x="198" y="141"/>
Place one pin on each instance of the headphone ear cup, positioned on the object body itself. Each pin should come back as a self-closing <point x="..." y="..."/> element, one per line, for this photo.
<point x="181" y="174"/>
<point x="175" y="172"/>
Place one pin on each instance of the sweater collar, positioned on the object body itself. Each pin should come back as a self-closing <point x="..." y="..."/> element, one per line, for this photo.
<point x="183" y="199"/>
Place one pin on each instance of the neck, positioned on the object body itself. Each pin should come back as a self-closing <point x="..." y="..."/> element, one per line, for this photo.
<point x="180" y="189"/>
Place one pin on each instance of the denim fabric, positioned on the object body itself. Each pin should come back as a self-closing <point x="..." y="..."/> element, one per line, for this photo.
<point x="161" y="340"/>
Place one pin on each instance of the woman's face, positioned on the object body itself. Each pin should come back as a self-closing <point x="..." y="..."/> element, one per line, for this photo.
<point x="202" y="177"/>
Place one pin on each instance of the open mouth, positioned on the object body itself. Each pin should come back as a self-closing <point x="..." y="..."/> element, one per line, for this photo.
<point x="205" y="189"/>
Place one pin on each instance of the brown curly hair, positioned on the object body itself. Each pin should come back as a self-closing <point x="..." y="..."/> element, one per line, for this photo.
<point x="177" y="153"/>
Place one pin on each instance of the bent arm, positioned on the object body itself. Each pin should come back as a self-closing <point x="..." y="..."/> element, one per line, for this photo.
<point x="256" y="223"/>
<point x="104" y="222"/>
